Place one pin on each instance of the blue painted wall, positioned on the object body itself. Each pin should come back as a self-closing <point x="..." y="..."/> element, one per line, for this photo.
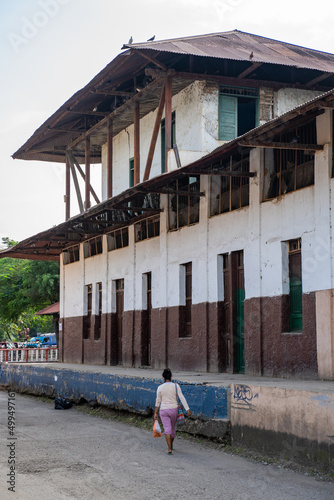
<point x="132" y="393"/>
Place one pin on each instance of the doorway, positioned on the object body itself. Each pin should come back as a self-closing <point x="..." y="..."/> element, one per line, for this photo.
<point x="231" y="324"/>
<point x="119" y="317"/>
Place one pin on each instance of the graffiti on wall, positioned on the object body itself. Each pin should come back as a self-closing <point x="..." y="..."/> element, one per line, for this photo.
<point x="243" y="397"/>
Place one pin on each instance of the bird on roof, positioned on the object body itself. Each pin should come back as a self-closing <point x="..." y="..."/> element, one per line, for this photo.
<point x="251" y="55"/>
<point x="130" y="40"/>
<point x="151" y="39"/>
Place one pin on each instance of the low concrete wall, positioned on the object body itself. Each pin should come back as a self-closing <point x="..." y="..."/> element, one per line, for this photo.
<point x="124" y="393"/>
<point x="293" y="424"/>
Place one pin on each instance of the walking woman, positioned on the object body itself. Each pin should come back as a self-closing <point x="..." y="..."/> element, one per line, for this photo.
<point x="167" y="401"/>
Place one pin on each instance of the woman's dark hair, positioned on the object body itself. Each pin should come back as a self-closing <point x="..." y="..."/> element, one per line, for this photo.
<point x="167" y="374"/>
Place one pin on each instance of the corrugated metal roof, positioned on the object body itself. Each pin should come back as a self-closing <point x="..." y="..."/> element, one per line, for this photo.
<point x="49" y="143"/>
<point x="241" y="46"/>
<point x="53" y="309"/>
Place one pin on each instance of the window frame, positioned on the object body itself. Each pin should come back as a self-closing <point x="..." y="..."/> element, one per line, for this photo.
<point x="93" y="247"/>
<point x="176" y="204"/>
<point x="123" y="233"/>
<point x="142" y="228"/>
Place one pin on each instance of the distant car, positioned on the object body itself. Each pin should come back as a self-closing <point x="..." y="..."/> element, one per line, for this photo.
<point x="49" y="340"/>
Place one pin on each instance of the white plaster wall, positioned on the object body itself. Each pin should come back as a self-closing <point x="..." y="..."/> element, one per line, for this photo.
<point x="287" y="99"/>
<point x="259" y="229"/>
<point x="196" y="109"/>
<point x="72" y="285"/>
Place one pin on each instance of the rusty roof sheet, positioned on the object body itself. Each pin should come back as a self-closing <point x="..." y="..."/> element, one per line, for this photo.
<point x="49" y="141"/>
<point x="52" y="309"/>
<point x="241" y="46"/>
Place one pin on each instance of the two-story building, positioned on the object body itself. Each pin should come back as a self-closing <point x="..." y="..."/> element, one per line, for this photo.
<point x="212" y="248"/>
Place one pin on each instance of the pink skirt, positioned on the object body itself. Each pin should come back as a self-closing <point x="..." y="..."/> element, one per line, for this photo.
<point x="168" y="418"/>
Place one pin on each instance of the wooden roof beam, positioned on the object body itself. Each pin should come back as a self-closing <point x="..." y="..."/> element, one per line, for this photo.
<point x="320" y="78"/>
<point x="93" y="113"/>
<point x="250" y="70"/>
<point x="128" y="104"/>
<point x="154" y="61"/>
<point x="223" y="173"/>
<point x="281" y="145"/>
<point x="120" y="93"/>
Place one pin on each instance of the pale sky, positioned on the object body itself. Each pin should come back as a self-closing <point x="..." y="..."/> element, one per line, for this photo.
<point x="49" y="49"/>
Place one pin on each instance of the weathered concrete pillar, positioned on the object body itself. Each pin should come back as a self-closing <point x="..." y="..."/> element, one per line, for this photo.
<point x="322" y="275"/>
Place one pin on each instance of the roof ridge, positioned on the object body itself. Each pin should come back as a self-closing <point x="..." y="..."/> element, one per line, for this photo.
<point x="222" y="33"/>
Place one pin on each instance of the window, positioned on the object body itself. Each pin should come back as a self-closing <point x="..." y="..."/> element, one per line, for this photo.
<point x="163" y="159"/>
<point x="87" y="323"/>
<point x="227" y="192"/>
<point x="290" y="169"/>
<point x="295" y="281"/>
<point x="98" y="317"/>
<point x="118" y="239"/>
<point x="147" y="228"/>
<point x="71" y="254"/>
<point x="131" y="172"/>
<point x="238" y="111"/>
<point x="185" y="319"/>
<point x="93" y="247"/>
<point x="184" y="207"/>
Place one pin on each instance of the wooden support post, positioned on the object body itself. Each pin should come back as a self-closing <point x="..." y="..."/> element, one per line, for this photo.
<point x="81" y="172"/>
<point x="68" y="189"/>
<point x="155" y="134"/>
<point x="87" y="173"/>
<point x="168" y="118"/>
<point x="136" y="162"/>
<point x="76" y="184"/>
<point x="109" y="158"/>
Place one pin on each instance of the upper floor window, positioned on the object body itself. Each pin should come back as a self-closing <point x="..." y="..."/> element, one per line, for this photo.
<point x="227" y="192"/>
<point x="71" y="254"/>
<point x="118" y="238"/>
<point x="289" y="169"/>
<point x="147" y="228"/>
<point x="93" y="247"/>
<point x="163" y="142"/>
<point x="238" y="111"/>
<point x="184" y="207"/>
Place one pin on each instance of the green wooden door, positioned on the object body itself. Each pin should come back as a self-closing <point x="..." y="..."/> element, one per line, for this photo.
<point x="228" y="118"/>
<point x="296" y="307"/>
<point x="240" y="336"/>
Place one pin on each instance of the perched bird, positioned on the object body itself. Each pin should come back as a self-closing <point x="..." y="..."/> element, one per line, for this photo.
<point x="295" y="139"/>
<point x="251" y="55"/>
<point x="151" y="39"/>
<point x="130" y="40"/>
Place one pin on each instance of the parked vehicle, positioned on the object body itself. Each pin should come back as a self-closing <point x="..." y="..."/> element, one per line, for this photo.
<point x="49" y="340"/>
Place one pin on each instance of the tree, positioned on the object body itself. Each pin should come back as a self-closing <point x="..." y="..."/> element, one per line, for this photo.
<point x="26" y="286"/>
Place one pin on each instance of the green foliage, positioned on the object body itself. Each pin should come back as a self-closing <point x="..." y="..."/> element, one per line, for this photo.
<point x="26" y="287"/>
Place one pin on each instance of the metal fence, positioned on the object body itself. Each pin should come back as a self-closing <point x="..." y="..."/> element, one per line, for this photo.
<point x="29" y="355"/>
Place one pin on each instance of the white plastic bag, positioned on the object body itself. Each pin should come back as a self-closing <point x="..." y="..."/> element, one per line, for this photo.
<point x="156" y="429"/>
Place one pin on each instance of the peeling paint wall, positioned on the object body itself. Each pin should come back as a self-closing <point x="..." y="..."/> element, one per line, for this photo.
<point x="298" y="425"/>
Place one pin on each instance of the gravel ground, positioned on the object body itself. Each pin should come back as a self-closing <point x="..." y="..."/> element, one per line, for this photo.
<point x="71" y="454"/>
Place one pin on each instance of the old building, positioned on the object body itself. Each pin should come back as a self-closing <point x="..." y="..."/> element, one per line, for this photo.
<point x="211" y="248"/>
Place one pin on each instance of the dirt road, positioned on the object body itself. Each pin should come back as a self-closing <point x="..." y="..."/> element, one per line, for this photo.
<point x="54" y="454"/>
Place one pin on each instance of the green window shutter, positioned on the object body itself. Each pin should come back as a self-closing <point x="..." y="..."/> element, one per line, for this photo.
<point x="228" y="118"/>
<point x="131" y="172"/>
<point x="296" y="305"/>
